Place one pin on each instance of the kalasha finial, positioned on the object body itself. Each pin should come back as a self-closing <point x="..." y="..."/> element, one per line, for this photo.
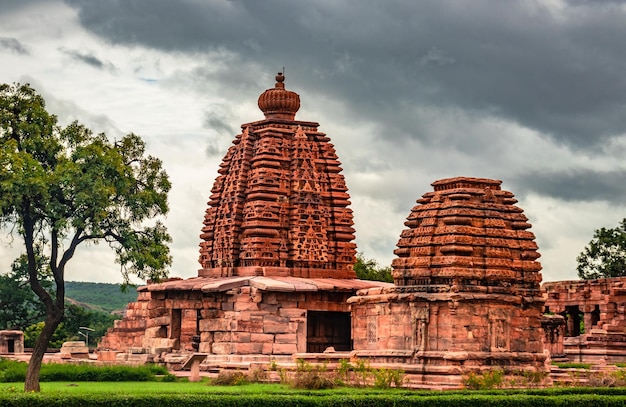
<point x="280" y="78"/>
<point x="279" y="103"/>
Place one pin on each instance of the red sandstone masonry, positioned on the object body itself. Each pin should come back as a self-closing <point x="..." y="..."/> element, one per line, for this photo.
<point x="467" y="292"/>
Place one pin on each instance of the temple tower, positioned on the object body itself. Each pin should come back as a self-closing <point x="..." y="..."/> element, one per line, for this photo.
<point x="467" y="292"/>
<point x="279" y="206"/>
<point x="276" y="253"/>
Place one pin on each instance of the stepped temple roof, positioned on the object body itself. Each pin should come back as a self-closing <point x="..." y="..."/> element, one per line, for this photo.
<point x="279" y="206"/>
<point x="468" y="234"/>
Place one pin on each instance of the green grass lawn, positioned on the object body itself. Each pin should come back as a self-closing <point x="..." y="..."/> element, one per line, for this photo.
<point x="183" y="387"/>
<point x="186" y="394"/>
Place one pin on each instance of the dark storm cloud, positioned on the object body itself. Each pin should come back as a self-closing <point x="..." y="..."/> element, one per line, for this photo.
<point x="215" y="122"/>
<point x="559" y="72"/>
<point x="87" y="58"/>
<point x="13" y="45"/>
<point x="10" y="5"/>
<point x="580" y="185"/>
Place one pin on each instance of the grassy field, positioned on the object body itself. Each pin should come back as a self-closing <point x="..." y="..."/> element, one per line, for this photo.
<point x="186" y="394"/>
<point x="184" y="387"/>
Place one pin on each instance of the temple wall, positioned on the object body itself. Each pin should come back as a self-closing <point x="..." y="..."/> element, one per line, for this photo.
<point x="595" y="317"/>
<point x="244" y="320"/>
<point x="601" y="302"/>
<point x="424" y="330"/>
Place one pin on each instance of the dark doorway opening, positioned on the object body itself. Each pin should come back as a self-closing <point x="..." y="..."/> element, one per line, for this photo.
<point x="175" y="326"/>
<point x="574" y="321"/>
<point x="11" y="345"/>
<point x="326" y="328"/>
<point x="595" y="316"/>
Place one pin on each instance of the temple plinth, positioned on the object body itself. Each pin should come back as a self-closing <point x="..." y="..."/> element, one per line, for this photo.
<point x="467" y="290"/>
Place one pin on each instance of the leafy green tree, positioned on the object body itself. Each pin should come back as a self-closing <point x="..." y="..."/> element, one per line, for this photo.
<point x="18" y="306"/>
<point x="605" y="255"/>
<point x="33" y="332"/>
<point x="368" y="269"/>
<point x="65" y="187"/>
<point x="76" y="317"/>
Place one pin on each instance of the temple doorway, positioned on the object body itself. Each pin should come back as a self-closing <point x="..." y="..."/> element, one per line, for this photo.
<point x="175" y="327"/>
<point x="326" y="329"/>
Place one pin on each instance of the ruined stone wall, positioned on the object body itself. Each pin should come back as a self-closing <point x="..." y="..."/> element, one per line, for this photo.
<point x="595" y="317"/>
<point x="129" y="331"/>
<point x="599" y="304"/>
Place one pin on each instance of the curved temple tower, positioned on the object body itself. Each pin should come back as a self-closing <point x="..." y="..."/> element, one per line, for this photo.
<point x="467" y="287"/>
<point x="279" y="206"/>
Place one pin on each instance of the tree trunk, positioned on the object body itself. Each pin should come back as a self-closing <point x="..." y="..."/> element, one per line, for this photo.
<point x="53" y="319"/>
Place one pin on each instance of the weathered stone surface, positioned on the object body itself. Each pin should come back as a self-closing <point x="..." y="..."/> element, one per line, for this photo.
<point x="466" y="296"/>
<point x="599" y="307"/>
<point x="279" y="206"/>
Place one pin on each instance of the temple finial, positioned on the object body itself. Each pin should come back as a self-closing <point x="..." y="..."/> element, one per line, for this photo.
<point x="280" y="78"/>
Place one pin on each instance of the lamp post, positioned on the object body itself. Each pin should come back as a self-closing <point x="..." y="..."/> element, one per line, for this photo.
<point x="85" y="334"/>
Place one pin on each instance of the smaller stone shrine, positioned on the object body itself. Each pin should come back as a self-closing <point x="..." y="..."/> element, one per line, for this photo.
<point x="467" y="292"/>
<point x="595" y="317"/>
<point x="11" y="341"/>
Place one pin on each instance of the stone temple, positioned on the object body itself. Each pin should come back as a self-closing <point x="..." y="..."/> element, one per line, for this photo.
<point x="276" y="278"/>
<point x="467" y="292"/>
<point x="276" y="252"/>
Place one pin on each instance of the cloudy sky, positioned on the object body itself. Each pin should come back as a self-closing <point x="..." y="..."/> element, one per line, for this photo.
<point x="532" y="92"/>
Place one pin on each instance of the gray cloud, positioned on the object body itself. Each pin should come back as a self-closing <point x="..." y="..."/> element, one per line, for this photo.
<point x="581" y="185"/>
<point x="13" y="45"/>
<point x="88" y="58"/>
<point x="558" y="72"/>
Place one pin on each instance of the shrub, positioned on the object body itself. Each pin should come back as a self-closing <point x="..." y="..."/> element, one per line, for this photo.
<point x="343" y="373"/>
<point x="168" y="377"/>
<point x="226" y="378"/>
<point x="489" y="379"/>
<point x="385" y="378"/>
<point x="309" y="377"/>
<point x="11" y="371"/>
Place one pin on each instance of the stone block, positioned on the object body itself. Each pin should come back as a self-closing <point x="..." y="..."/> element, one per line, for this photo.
<point x="205" y="347"/>
<point x="241" y="337"/>
<point x="267" y="348"/>
<point x="261" y="337"/>
<point x="221" y="336"/>
<point x="251" y="326"/>
<point x="291" y="312"/>
<point x="221" y="348"/>
<point x="284" y="348"/>
<point x="250" y="348"/>
<point x="212" y="325"/>
<point x="245" y="306"/>
<point x="275" y="327"/>
<point x="285" y="338"/>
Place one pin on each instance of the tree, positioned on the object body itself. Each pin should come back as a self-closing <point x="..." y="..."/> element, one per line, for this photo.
<point x="368" y="269"/>
<point x="605" y="255"/>
<point x="18" y="306"/>
<point x="61" y="188"/>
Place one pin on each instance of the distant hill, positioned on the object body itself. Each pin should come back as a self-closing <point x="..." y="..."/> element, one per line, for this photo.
<point x="99" y="296"/>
